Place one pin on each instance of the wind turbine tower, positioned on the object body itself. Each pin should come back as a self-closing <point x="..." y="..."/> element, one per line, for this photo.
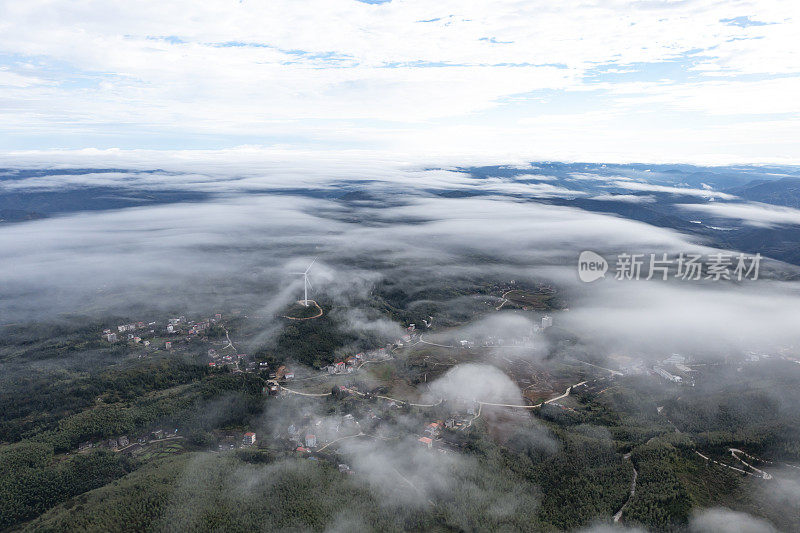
<point x="306" y="283"/>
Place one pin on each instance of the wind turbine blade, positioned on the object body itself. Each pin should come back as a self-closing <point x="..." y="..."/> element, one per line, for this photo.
<point x="312" y="264"/>
<point x="309" y="282"/>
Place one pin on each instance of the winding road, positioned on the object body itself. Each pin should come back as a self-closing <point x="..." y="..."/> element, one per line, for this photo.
<point x="479" y="402"/>
<point x="566" y="393"/>
<point x="735" y="451"/>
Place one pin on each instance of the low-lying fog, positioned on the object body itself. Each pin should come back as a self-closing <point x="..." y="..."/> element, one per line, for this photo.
<point x="368" y="221"/>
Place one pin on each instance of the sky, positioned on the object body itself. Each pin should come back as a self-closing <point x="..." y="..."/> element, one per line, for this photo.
<point x="698" y="81"/>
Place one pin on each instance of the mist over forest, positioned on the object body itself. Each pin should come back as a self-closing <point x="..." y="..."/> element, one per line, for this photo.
<point x="447" y="306"/>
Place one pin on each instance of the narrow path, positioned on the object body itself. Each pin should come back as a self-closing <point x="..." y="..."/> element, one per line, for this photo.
<point x="750" y="456"/>
<point x="319" y="313"/>
<point x="341" y="439"/>
<point x="613" y="372"/>
<point x="617" y="516"/>
<point x="353" y="391"/>
<point x="726" y="466"/>
<point x="142" y="445"/>
<point x="505" y="300"/>
<point x="410" y="484"/>
<point x="734" y="451"/>
<point x="566" y="393"/>
<point x="317" y="395"/>
<point x="481" y="403"/>
<point x="407" y="402"/>
<point x="374" y="361"/>
<point x="433" y="343"/>
<point x="230" y="342"/>
<point x="660" y="410"/>
<point x="474" y="418"/>
<point x="362" y="434"/>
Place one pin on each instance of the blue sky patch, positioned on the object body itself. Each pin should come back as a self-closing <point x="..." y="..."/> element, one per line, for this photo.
<point x="743" y="22"/>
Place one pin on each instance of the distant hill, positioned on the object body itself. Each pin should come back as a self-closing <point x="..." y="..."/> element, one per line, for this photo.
<point x="18" y="215"/>
<point x="785" y="191"/>
<point x="38" y="204"/>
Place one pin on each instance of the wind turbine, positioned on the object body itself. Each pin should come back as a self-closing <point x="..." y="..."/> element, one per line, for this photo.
<point x="306" y="283"/>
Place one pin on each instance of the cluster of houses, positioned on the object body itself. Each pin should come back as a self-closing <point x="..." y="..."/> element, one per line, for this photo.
<point x="434" y="430"/>
<point x="525" y="340"/>
<point x="129" y="331"/>
<point x="281" y="373"/>
<point x="199" y="327"/>
<point x="489" y="341"/>
<point x="123" y="442"/>
<point x="344" y="367"/>
<point x="349" y="364"/>
<point x="180" y="324"/>
<point x="312" y="433"/>
<point x="132" y="327"/>
<point x="411" y="333"/>
<point x="136" y="331"/>
<point x="217" y="359"/>
<point x="233" y="441"/>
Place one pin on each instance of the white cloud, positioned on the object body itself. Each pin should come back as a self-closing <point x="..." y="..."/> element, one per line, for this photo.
<point x="325" y="72"/>
<point x="722" y="519"/>
<point x="753" y="214"/>
<point x="718" y="318"/>
<point x="680" y="191"/>
<point x="476" y="382"/>
<point x="171" y="255"/>
<point x="630" y="198"/>
<point x="539" y="190"/>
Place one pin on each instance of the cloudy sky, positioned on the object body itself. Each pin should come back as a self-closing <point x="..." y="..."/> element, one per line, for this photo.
<point x="657" y="80"/>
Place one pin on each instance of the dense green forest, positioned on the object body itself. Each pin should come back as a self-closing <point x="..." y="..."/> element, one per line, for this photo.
<point x="35" y="402"/>
<point x="31" y="482"/>
<point x="578" y="481"/>
<point x="554" y="468"/>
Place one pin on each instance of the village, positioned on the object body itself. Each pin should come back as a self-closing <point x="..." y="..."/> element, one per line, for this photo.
<point x="437" y="426"/>
<point x="129" y="445"/>
<point x="359" y="408"/>
<point x="308" y="435"/>
<point x="151" y="335"/>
